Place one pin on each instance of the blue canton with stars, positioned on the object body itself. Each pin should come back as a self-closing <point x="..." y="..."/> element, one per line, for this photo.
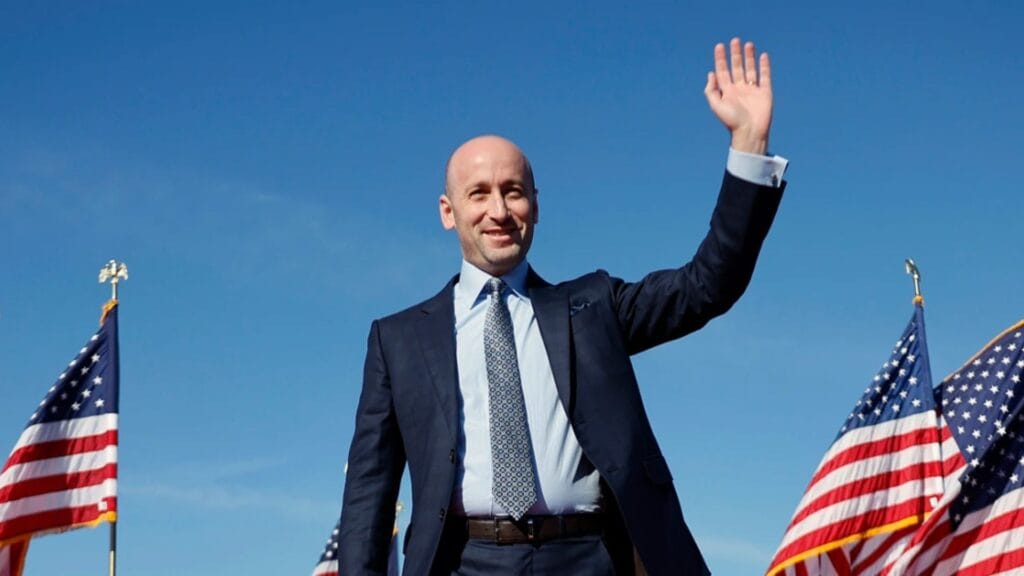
<point x="983" y="404"/>
<point x="88" y="386"/>
<point x="904" y="384"/>
<point x="331" y="550"/>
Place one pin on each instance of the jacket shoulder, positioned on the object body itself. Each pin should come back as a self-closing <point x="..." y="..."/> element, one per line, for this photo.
<point x="593" y="283"/>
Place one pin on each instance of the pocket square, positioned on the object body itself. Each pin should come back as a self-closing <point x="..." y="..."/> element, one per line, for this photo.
<point x="578" y="306"/>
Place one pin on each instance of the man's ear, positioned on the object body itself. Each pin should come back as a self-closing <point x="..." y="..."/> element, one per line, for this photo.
<point x="536" y="207"/>
<point x="447" y="215"/>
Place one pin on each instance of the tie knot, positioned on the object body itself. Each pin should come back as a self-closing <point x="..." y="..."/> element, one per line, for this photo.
<point x="496" y="286"/>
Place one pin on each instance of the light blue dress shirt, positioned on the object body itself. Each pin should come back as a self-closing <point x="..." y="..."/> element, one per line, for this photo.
<point x="556" y="450"/>
<point x="567" y="483"/>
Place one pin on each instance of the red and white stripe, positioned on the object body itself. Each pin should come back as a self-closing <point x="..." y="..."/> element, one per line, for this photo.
<point x="326" y="568"/>
<point x="871" y="487"/>
<point x="12" y="557"/>
<point x="988" y="542"/>
<point x="867" y="556"/>
<point x="59" y="476"/>
<point x="953" y="463"/>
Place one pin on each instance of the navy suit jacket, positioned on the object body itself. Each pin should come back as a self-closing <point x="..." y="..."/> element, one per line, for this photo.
<point x="409" y="408"/>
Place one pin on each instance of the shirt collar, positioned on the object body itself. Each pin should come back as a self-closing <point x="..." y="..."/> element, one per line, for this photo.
<point x="472" y="281"/>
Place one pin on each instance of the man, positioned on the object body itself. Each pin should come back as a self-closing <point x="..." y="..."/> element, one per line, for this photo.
<point x="513" y="401"/>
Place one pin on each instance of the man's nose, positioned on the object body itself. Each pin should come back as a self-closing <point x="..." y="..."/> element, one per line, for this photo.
<point x="498" y="208"/>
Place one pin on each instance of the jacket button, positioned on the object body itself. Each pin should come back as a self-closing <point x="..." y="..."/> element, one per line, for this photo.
<point x="451" y="456"/>
<point x="441" y="515"/>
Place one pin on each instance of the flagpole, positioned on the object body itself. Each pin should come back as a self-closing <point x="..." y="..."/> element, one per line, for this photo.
<point x="911" y="268"/>
<point x="113" y="549"/>
<point x="113" y="272"/>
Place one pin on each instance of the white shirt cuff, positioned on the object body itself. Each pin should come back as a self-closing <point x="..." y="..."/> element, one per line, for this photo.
<point x="755" y="168"/>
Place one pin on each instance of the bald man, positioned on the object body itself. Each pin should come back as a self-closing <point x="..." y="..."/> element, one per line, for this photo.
<point x="513" y="401"/>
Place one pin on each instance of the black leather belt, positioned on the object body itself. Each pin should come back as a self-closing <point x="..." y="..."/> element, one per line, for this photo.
<point x="533" y="528"/>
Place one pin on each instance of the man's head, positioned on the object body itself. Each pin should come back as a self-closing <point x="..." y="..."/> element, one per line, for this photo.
<point x="491" y="202"/>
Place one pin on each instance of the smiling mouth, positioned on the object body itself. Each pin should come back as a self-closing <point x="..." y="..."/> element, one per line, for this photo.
<point x="500" y="233"/>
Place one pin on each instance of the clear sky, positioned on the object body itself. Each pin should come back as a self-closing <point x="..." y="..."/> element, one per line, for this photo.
<point x="270" y="174"/>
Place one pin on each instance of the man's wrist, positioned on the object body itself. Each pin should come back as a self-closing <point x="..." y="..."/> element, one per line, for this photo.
<point x="751" y="144"/>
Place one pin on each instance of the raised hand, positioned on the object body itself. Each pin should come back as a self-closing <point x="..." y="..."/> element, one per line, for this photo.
<point x="740" y="95"/>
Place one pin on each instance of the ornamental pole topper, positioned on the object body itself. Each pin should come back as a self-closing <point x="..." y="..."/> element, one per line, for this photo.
<point x="916" y="275"/>
<point x="114" y="272"/>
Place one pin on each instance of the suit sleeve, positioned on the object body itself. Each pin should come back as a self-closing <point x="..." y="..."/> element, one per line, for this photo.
<point x="668" y="304"/>
<point x="376" y="461"/>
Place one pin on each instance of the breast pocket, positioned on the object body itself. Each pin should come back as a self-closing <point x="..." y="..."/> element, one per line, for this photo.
<point x="597" y="339"/>
<point x="586" y="315"/>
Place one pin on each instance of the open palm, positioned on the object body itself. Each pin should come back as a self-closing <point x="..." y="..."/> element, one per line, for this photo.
<point x="740" y="94"/>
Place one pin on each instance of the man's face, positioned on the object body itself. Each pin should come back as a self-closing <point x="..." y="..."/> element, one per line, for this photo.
<point x="491" y="203"/>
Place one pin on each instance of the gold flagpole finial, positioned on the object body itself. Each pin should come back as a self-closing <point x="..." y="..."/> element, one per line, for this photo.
<point x="113" y="272"/>
<point x="911" y="268"/>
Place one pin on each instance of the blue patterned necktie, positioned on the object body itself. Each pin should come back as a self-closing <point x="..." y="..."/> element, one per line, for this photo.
<point x="513" y="485"/>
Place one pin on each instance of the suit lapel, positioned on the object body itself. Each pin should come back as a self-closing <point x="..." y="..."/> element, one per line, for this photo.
<point x="551" y="308"/>
<point x="435" y="333"/>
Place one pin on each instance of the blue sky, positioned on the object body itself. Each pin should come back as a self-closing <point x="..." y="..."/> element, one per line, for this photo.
<point x="270" y="174"/>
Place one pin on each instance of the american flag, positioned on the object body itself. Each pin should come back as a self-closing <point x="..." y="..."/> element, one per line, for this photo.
<point x="978" y="529"/>
<point x="328" y="565"/>
<point x="62" y="472"/>
<point x="12" y="557"/>
<point x="880" y="478"/>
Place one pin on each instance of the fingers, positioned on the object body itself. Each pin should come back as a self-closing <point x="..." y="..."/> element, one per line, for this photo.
<point x="749" y="70"/>
<point x="711" y="90"/>
<point x="766" y="71"/>
<point x="713" y="93"/>
<point x="721" y="68"/>
<point x="742" y="67"/>
<point x="737" y="60"/>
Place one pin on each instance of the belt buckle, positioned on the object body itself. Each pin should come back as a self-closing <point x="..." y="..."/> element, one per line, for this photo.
<point x="531" y="530"/>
